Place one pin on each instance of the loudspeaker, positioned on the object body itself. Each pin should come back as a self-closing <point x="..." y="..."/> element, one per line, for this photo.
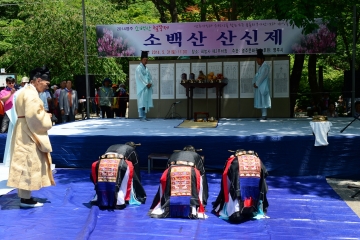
<point x="80" y="85"/>
<point x="348" y="84"/>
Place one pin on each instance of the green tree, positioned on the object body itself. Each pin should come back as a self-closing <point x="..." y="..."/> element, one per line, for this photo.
<point x="52" y="34"/>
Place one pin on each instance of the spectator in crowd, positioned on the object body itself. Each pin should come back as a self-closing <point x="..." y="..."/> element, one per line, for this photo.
<point x="45" y="96"/>
<point x="96" y="100"/>
<point x="123" y="100"/>
<point x="105" y="97"/>
<point x="68" y="102"/>
<point x="6" y="96"/>
<point x="330" y="112"/>
<point x="57" y="95"/>
<point x="357" y="108"/>
<point x="115" y="103"/>
<point x="24" y="81"/>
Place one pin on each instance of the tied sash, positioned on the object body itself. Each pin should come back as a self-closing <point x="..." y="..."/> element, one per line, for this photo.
<point x="107" y="181"/>
<point x="249" y="177"/>
<point x="180" y="195"/>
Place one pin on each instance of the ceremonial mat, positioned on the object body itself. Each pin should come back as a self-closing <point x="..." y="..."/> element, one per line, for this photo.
<point x="192" y="124"/>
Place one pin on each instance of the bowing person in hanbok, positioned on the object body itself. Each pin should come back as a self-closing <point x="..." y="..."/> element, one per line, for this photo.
<point x="261" y="83"/>
<point x="30" y="163"/>
<point x="183" y="189"/>
<point x="143" y="87"/>
<point x="243" y="188"/>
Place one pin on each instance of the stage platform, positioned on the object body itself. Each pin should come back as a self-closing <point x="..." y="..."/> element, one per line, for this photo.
<point x="286" y="146"/>
<point x="302" y="204"/>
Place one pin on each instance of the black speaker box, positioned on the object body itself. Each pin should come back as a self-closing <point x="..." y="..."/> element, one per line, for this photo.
<point x="348" y="84"/>
<point x="80" y="85"/>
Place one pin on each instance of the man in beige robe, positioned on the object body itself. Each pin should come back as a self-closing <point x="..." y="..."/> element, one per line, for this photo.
<point x="30" y="164"/>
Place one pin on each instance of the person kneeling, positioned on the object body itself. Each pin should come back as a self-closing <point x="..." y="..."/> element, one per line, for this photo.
<point x="116" y="182"/>
<point x="243" y="188"/>
<point x="183" y="190"/>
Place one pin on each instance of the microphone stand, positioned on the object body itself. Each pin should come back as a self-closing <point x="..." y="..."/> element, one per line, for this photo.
<point x="355" y="118"/>
<point x="173" y="114"/>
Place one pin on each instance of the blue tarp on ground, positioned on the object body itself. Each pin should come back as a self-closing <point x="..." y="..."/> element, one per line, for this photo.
<point x="300" y="208"/>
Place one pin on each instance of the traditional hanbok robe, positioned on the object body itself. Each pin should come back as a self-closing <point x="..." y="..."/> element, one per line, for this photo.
<point x="30" y="164"/>
<point x="262" y="93"/>
<point x="243" y="189"/>
<point x="116" y="182"/>
<point x="144" y="94"/>
<point x="183" y="190"/>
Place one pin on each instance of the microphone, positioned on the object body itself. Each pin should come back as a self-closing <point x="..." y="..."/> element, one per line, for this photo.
<point x="177" y="102"/>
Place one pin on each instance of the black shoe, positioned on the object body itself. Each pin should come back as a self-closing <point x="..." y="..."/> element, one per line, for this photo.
<point x="30" y="203"/>
<point x="262" y="118"/>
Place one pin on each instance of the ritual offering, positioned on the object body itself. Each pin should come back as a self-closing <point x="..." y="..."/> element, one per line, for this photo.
<point x="191" y="77"/>
<point x="212" y="119"/>
<point x="211" y="77"/>
<point x="183" y="77"/>
<point x="219" y="77"/>
<point x="319" y="118"/>
<point x="201" y="78"/>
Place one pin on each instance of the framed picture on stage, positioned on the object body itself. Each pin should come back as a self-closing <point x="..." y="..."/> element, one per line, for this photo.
<point x="247" y="73"/>
<point x="231" y="73"/>
<point x="132" y="82"/>
<point x="215" y="67"/>
<point x="154" y="71"/>
<point x="167" y="79"/>
<point x="281" y="79"/>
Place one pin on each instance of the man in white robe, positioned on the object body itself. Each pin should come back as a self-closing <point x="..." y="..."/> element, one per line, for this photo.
<point x="143" y="87"/>
<point x="261" y="83"/>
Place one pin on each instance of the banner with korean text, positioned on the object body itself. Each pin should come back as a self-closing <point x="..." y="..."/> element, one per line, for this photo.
<point x="211" y="39"/>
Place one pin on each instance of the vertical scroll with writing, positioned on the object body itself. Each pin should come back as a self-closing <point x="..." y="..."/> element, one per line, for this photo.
<point x="167" y="79"/>
<point x="231" y="73"/>
<point x="281" y="78"/>
<point x="154" y="71"/>
<point x="247" y="73"/>
<point x="132" y="81"/>
<point x="196" y="68"/>
<point x="215" y="67"/>
<point x="180" y="69"/>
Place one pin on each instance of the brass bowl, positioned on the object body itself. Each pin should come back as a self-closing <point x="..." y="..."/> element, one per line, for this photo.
<point x="211" y="119"/>
<point x="199" y="120"/>
<point x="319" y="118"/>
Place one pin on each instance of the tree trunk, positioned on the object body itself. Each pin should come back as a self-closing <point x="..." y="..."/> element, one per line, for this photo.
<point x="160" y="8"/>
<point x="173" y="11"/>
<point x="233" y="15"/>
<point x="203" y="11"/>
<point x="216" y="12"/>
<point x="312" y="78"/>
<point x="295" y="80"/>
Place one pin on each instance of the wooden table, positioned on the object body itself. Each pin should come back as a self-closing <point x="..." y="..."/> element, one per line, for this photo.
<point x="190" y="93"/>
